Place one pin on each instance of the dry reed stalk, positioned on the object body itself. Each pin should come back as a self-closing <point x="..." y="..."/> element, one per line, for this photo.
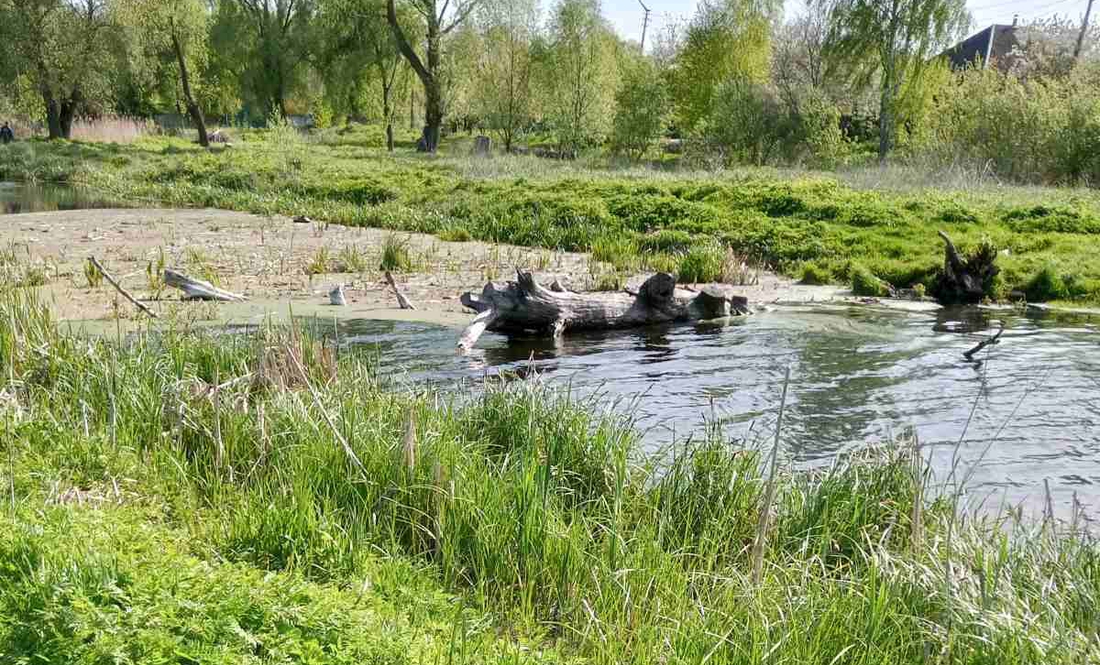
<point x="918" y="501"/>
<point x="408" y="448"/>
<point x="769" y="493"/>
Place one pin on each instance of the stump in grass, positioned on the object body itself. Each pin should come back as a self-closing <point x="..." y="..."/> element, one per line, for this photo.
<point x="525" y="307"/>
<point x="969" y="280"/>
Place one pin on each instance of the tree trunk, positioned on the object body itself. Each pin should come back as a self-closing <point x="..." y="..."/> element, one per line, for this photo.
<point x="68" y="113"/>
<point x="886" y="115"/>
<point x="524" y="306"/>
<point x="192" y="108"/>
<point x="433" y="115"/>
<point x="428" y="74"/>
<point x="387" y="113"/>
<point x="53" y="117"/>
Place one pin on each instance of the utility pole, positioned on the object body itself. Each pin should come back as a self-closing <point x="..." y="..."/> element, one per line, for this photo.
<point x="1080" y="37"/>
<point x="645" y="22"/>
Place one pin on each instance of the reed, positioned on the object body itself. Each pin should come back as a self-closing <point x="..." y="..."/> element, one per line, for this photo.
<point x="346" y="518"/>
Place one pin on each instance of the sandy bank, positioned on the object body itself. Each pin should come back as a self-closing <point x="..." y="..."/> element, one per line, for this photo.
<point x="268" y="260"/>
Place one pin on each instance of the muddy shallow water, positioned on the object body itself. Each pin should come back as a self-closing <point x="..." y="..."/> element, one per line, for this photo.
<point x="1030" y="411"/>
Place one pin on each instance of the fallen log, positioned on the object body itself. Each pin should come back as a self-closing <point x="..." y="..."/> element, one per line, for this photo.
<point x="524" y="307"/>
<point x="969" y="280"/>
<point x="196" y="289"/>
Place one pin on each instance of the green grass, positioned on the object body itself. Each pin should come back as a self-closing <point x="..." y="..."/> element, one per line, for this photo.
<point x="632" y="217"/>
<point x="309" y="512"/>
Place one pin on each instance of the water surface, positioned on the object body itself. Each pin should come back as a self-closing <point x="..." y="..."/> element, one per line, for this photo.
<point x="1029" y="411"/>
<point x="21" y="197"/>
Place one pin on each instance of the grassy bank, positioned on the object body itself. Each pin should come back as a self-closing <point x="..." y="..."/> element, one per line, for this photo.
<point x="802" y="224"/>
<point x="306" y="512"/>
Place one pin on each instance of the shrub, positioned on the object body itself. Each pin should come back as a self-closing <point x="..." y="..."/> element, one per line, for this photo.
<point x="667" y="241"/>
<point x="702" y="263"/>
<point x="641" y="109"/>
<point x="748" y="123"/>
<point x="455" y="234"/>
<point x="815" y="274"/>
<point x="1047" y="284"/>
<point x="864" y="283"/>
<point x="395" y="254"/>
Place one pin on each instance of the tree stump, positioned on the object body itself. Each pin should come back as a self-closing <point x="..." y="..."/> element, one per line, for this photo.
<point x="969" y="280"/>
<point x="483" y="146"/>
<point x="525" y="307"/>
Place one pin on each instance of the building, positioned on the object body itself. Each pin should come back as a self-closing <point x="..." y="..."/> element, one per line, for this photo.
<point x="997" y="46"/>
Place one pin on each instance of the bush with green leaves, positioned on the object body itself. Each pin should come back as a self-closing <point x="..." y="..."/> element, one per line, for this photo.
<point x="641" y="109"/>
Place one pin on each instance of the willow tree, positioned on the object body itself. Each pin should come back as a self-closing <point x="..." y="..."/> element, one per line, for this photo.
<point x="358" y="45"/>
<point x="440" y="20"/>
<point x="176" y="29"/>
<point x="63" y="48"/>
<point x="278" y="36"/>
<point x="898" y="38"/>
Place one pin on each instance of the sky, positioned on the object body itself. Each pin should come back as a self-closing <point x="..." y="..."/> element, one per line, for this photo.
<point x="627" y="15"/>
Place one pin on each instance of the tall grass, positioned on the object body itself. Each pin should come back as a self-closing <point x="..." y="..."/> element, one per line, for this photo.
<point x="112" y="129"/>
<point x="535" y="509"/>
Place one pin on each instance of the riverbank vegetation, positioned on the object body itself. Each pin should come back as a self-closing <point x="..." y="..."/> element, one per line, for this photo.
<point x="806" y="224"/>
<point x="188" y="497"/>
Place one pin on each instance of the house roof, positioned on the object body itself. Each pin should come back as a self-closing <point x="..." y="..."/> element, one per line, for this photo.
<point x="995" y="44"/>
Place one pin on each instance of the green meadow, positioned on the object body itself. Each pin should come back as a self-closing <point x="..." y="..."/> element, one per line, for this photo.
<point x="818" y="227"/>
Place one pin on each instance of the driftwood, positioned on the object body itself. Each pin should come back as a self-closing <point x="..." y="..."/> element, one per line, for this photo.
<point x="969" y="355"/>
<point x="336" y="296"/>
<point x="965" y="280"/>
<point x="118" y="287"/>
<point x="524" y="306"/>
<point x="402" y="301"/>
<point x="196" y="289"/>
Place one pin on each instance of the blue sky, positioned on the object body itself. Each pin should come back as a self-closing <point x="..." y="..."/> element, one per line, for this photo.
<point x="626" y="15"/>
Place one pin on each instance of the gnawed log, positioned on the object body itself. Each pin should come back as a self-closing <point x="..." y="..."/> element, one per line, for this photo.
<point x="402" y="301"/>
<point x="966" y="280"/>
<point x="196" y="289"/>
<point x="524" y="307"/>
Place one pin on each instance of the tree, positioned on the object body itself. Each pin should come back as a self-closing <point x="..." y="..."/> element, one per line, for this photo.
<point x="504" y="68"/>
<point x="726" y="39"/>
<point x="61" y="46"/>
<point x="359" y="40"/>
<point x="641" y="108"/>
<point x="440" y="21"/>
<point x="899" y="37"/>
<point x="278" y="33"/>
<point x="176" y="29"/>
<point x="580" y="71"/>
<point x="798" y="53"/>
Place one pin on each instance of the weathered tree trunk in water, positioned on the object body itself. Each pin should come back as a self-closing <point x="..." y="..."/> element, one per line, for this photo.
<point x="966" y="280"/>
<point x="524" y="306"/>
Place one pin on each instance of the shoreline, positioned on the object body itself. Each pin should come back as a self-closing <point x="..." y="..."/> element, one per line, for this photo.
<point x="267" y="258"/>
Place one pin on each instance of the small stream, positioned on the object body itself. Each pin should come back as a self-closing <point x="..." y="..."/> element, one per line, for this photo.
<point x="22" y="197"/>
<point x="1030" y="411"/>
